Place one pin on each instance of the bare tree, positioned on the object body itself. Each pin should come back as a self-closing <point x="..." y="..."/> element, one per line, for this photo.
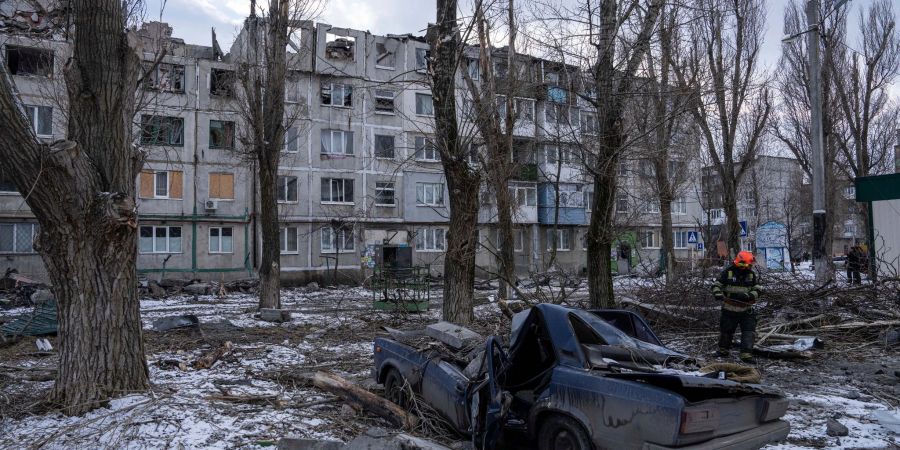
<point x="82" y="191"/>
<point x="462" y="180"/>
<point x="263" y="73"/>
<point x="661" y="120"/>
<point x="732" y="105"/>
<point x="861" y="84"/>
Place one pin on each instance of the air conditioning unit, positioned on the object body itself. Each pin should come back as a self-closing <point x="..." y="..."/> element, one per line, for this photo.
<point x="212" y="205"/>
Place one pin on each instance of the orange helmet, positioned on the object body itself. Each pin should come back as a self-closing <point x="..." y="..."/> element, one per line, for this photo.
<point x="744" y="259"/>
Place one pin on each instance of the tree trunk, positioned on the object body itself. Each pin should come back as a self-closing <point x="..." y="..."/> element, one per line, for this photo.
<point x="732" y="223"/>
<point x="462" y="182"/>
<point x="459" y="261"/>
<point x="81" y="190"/>
<point x="668" y="244"/>
<point x="506" y="258"/>
<point x="270" y="262"/>
<point x="600" y="237"/>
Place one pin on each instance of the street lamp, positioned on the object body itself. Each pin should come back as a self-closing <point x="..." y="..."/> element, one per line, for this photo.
<point x="817" y="158"/>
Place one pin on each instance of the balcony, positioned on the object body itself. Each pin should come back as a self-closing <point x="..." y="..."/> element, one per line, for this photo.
<point x="571" y="205"/>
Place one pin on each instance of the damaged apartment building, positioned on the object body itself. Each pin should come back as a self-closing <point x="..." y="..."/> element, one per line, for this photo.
<point x="358" y="167"/>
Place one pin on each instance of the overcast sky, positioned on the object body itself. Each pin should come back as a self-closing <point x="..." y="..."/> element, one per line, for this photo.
<point x="192" y="20"/>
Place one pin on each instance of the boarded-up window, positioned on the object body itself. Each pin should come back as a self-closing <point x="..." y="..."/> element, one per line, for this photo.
<point x="161" y="184"/>
<point x="221" y="186"/>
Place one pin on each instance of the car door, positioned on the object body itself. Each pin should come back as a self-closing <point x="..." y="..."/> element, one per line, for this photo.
<point x="489" y="403"/>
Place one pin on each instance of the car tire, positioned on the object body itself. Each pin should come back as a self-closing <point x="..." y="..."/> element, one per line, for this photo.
<point x="393" y="388"/>
<point x="559" y="432"/>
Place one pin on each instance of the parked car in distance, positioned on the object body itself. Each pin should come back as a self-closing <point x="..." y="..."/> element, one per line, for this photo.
<point x="576" y="379"/>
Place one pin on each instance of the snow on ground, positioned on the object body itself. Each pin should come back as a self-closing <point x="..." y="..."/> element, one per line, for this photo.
<point x="332" y="329"/>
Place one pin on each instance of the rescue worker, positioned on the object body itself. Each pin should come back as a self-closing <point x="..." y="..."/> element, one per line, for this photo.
<point x="738" y="289"/>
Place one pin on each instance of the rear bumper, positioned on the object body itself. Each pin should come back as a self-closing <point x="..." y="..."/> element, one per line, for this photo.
<point x="745" y="440"/>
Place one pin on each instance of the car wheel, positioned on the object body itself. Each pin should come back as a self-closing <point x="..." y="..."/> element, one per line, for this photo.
<point x="562" y="433"/>
<point x="393" y="387"/>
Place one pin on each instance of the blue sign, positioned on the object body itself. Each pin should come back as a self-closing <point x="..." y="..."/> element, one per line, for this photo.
<point x="692" y="237"/>
<point x="743" y="228"/>
<point x="699" y="246"/>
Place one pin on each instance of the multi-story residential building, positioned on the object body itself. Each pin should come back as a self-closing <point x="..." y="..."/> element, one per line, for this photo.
<point x="358" y="169"/>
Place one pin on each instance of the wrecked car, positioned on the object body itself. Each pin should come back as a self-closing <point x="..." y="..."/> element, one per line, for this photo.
<point x="576" y="379"/>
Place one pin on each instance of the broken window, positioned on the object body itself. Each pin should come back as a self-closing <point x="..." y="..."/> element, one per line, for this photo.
<point x="501" y="70"/>
<point x="334" y="94"/>
<point x="221" y="240"/>
<point x="221" y="82"/>
<point x="588" y="123"/>
<point x="424" y="105"/>
<point x="384" y="100"/>
<point x="422" y="55"/>
<point x="291" y="140"/>
<point x="287" y="189"/>
<point x="289" y="240"/>
<point x="525" y="109"/>
<point x="160" y="239"/>
<point x="337" y="142"/>
<point x="17" y="237"/>
<point x="161" y="184"/>
<point x="41" y="118"/>
<point x="426" y="150"/>
<point x="164" y="77"/>
<point x="337" y="190"/>
<point x="386" y="53"/>
<point x="162" y="130"/>
<point x="221" y="186"/>
<point x="221" y="134"/>
<point x="24" y="61"/>
<point x="6" y="184"/>
<point x="337" y="239"/>
<point x="339" y="47"/>
<point x="384" y="146"/>
<point x="474" y="68"/>
<point x="429" y="239"/>
<point x="384" y="193"/>
<point x="292" y="87"/>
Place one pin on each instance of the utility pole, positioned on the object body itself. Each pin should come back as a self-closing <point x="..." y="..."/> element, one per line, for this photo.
<point x="820" y="254"/>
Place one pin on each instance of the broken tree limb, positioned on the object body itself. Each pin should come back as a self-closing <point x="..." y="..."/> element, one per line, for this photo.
<point x="792" y="323"/>
<point x="657" y="309"/>
<point x="248" y="399"/>
<point x="206" y="361"/>
<point x="364" y="399"/>
<point x="857" y="325"/>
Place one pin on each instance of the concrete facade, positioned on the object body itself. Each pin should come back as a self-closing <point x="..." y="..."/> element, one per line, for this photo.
<point x="357" y="168"/>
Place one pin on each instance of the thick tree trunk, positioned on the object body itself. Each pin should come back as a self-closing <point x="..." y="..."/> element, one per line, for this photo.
<point x="270" y="261"/>
<point x="462" y="182"/>
<point x="600" y="237"/>
<point x="81" y="190"/>
<point x="459" y="261"/>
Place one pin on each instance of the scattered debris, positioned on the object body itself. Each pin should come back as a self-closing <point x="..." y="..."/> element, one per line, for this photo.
<point x="835" y="428"/>
<point x="206" y="361"/>
<point x="41" y="321"/>
<point x="452" y="335"/>
<point x="175" y="322"/>
<point x="43" y="345"/>
<point x="733" y="372"/>
<point x="364" y="399"/>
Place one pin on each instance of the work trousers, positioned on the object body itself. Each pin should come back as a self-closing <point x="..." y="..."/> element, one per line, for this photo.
<point x="728" y="324"/>
<point x="853" y="276"/>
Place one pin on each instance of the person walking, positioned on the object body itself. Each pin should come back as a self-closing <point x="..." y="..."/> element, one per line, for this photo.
<point x="738" y="289"/>
<point x="854" y="265"/>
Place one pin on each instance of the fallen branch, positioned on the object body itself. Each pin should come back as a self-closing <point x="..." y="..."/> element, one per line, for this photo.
<point x="363" y="399"/>
<point x="248" y="399"/>
<point x="206" y="361"/>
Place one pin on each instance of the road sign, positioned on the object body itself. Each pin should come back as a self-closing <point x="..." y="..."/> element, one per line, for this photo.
<point x="692" y="237"/>
<point x="699" y="246"/>
<point x="743" y="228"/>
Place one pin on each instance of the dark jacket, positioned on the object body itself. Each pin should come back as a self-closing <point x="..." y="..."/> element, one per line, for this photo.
<point x="855" y="259"/>
<point x="738" y="288"/>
